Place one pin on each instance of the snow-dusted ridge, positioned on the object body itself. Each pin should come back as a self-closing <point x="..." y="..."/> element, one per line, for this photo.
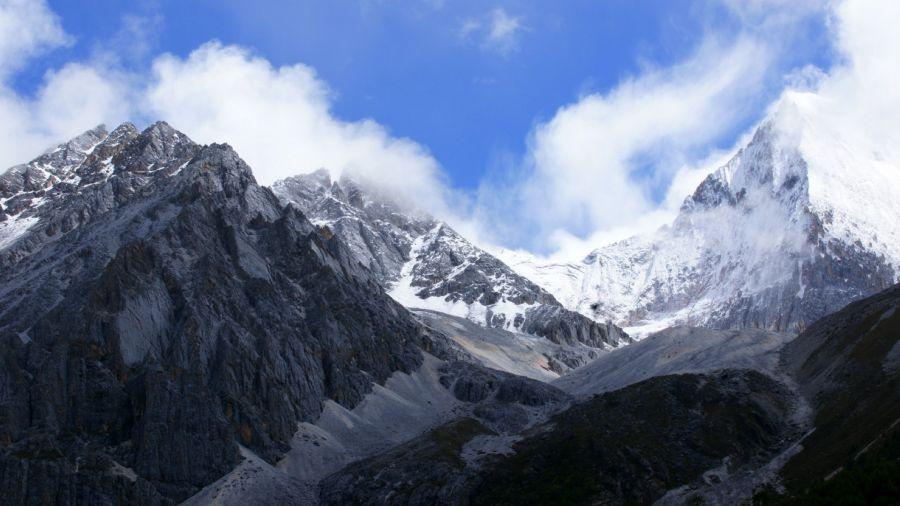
<point x="423" y="263"/>
<point x="61" y="189"/>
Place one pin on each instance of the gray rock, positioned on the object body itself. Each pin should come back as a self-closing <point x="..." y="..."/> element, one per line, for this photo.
<point x="473" y="383"/>
<point x="163" y="309"/>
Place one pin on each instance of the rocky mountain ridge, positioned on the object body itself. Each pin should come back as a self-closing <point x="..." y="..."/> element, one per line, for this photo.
<point x="772" y="424"/>
<point x="162" y="310"/>
<point x="424" y="263"/>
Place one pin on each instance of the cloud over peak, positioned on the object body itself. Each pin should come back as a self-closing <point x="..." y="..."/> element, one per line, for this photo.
<point x="279" y="119"/>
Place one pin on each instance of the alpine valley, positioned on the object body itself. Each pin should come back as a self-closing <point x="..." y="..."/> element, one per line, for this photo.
<point x="171" y="332"/>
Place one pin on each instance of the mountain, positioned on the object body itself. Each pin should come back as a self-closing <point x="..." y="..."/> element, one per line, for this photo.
<point x="71" y="183"/>
<point x="161" y="313"/>
<point x="686" y="416"/>
<point x="630" y="446"/>
<point x="172" y="331"/>
<point x="424" y="263"/>
<point x="169" y="330"/>
<point x="677" y="350"/>
<point x="797" y="224"/>
<point x="513" y="352"/>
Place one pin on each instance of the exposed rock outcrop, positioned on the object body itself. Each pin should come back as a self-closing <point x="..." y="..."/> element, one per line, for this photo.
<point x="160" y="310"/>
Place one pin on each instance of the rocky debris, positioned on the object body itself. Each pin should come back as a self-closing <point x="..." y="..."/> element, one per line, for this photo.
<point x="167" y="311"/>
<point x="432" y="468"/>
<point x="473" y="383"/>
<point x="724" y="435"/>
<point x="255" y="481"/>
<point x="427" y="470"/>
<point x="678" y="350"/>
<point x="521" y="354"/>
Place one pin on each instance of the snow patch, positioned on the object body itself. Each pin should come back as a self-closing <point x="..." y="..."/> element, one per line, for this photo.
<point x="12" y="229"/>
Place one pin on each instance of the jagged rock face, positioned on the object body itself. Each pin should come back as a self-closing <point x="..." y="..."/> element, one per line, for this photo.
<point x="162" y="309"/>
<point x="69" y="185"/>
<point x="763" y="242"/>
<point x="424" y="263"/>
<point x="372" y="227"/>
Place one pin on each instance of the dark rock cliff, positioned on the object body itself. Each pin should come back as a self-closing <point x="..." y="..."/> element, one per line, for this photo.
<point x="164" y="309"/>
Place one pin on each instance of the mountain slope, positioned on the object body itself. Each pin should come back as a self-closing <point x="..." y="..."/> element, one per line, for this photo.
<point x="512" y="352"/>
<point x="686" y="416"/>
<point x="160" y="310"/>
<point x="677" y="350"/>
<point x="796" y="225"/>
<point x="848" y="366"/>
<point x="625" y="447"/>
<point x="423" y="263"/>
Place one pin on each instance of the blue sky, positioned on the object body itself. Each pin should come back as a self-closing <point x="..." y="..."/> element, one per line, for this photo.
<point x="564" y="118"/>
<point x="407" y="65"/>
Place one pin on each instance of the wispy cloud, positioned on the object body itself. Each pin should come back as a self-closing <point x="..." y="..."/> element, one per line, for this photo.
<point x="588" y="172"/>
<point x="581" y="165"/>
<point x="279" y="119"/>
<point x="497" y="31"/>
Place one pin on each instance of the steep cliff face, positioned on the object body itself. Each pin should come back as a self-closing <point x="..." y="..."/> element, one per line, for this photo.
<point x="424" y="263"/>
<point x="794" y="227"/>
<point x="160" y="310"/>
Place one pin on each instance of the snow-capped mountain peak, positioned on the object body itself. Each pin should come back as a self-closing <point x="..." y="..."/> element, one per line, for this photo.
<point x="799" y="222"/>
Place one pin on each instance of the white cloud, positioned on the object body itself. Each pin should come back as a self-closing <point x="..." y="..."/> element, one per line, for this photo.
<point x="580" y="176"/>
<point x="27" y="28"/>
<point x="861" y="96"/>
<point x="497" y="31"/>
<point x="279" y="120"/>
<point x="580" y="191"/>
<point x="584" y="179"/>
<point x="847" y="128"/>
<point x="69" y="100"/>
